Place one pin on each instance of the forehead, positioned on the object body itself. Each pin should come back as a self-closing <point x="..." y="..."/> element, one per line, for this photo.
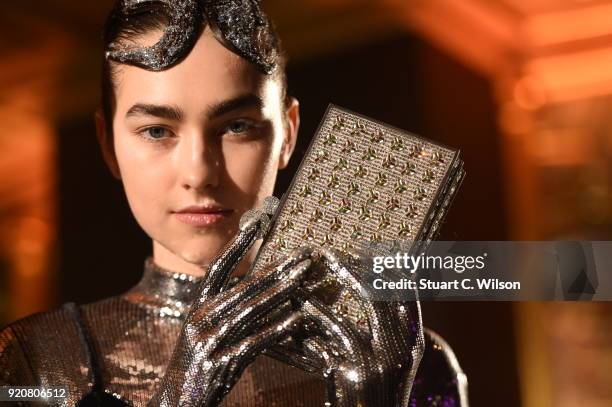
<point x="209" y="74"/>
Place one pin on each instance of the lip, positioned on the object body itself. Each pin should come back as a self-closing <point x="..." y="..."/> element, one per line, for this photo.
<point x="203" y="215"/>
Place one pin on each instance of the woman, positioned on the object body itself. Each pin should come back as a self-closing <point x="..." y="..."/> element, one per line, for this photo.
<point x="195" y="122"/>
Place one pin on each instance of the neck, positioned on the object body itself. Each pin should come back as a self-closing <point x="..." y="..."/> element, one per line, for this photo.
<point x="168" y="260"/>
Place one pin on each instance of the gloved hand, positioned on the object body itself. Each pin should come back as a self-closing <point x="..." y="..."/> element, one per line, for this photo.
<point x="225" y="330"/>
<point x="373" y="366"/>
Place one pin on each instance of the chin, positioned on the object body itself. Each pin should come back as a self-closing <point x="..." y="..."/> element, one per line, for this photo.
<point x="200" y="254"/>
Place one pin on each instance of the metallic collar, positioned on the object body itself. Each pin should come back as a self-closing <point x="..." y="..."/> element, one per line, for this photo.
<point x="164" y="291"/>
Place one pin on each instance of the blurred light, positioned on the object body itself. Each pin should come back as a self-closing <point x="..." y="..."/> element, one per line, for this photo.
<point x="568" y="25"/>
<point x="514" y="120"/>
<point x="574" y="76"/>
<point x="33" y="238"/>
<point x="529" y="94"/>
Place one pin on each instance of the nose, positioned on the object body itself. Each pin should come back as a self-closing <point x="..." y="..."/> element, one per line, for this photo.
<point x="199" y="162"/>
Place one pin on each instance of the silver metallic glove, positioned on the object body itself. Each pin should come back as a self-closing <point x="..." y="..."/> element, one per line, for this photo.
<point x="374" y="367"/>
<point x="225" y="330"/>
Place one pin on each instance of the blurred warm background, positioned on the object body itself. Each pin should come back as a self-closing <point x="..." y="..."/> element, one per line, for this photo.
<point x="523" y="87"/>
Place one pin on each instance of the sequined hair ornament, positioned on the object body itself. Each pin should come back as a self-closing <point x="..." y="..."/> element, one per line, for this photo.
<point x="240" y="25"/>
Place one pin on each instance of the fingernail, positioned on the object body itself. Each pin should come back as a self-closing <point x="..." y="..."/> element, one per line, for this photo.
<point x="301" y="252"/>
<point x="298" y="271"/>
<point x="330" y="255"/>
<point x="270" y="204"/>
<point x="249" y="219"/>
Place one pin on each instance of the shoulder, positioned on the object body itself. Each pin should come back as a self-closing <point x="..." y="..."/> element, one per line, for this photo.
<point x="35" y="349"/>
<point x="43" y="326"/>
<point x="439" y="375"/>
<point x="49" y="349"/>
<point x="44" y="336"/>
<point x="54" y="331"/>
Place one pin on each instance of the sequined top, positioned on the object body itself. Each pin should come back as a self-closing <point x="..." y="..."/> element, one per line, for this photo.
<point x="114" y="352"/>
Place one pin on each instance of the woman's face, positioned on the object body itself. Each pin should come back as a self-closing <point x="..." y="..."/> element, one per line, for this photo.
<point x="196" y="146"/>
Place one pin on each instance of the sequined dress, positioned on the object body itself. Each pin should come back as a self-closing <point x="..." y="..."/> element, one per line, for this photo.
<point x="114" y="352"/>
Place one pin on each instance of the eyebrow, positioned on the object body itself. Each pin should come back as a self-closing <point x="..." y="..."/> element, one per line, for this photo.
<point x="163" y="111"/>
<point x="248" y="100"/>
<point x="175" y="113"/>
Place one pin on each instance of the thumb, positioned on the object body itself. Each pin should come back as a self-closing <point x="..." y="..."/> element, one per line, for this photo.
<point x="254" y="224"/>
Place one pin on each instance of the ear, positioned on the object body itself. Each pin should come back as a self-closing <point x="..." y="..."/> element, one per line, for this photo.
<point x="106" y="144"/>
<point x="291" y="132"/>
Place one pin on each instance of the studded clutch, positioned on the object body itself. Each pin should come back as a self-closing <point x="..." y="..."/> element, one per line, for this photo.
<point x="361" y="183"/>
<point x="364" y="182"/>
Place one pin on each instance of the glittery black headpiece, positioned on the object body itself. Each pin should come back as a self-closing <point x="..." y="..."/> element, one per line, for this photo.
<point x="240" y="25"/>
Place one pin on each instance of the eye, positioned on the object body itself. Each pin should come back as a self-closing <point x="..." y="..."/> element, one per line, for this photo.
<point x="239" y="127"/>
<point x="156" y="133"/>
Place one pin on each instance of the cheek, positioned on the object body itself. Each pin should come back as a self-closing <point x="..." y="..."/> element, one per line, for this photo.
<point x="252" y="166"/>
<point x="145" y="175"/>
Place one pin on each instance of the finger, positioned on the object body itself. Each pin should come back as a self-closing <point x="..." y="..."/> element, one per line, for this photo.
<point x="345" y="383"/>
<point x="277" y="313"/>
<point x="254" y="224"/>
<point x="355" y="272"/>
<point x="311" y="353"/>
<point x="295" y="255"/>
<point x="243" y="353"/>
<point x="353" y="300"/>
<point x="228" y="364"/>
<point x="269" y="336"/>
<point x="350" y="276"/>
<point x="323" y="353"/>
<point x="304" y="349"/>
<point x="247" y="316"/>
<point x="348" y="358"/>
<point x="390" y="321"/>
<point x="224" y="264"/>
<point x="225" y="303"/>
<point x="340" y="332"/>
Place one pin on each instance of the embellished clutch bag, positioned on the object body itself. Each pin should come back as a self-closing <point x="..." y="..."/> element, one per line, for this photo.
<point x="363" y="182"/>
